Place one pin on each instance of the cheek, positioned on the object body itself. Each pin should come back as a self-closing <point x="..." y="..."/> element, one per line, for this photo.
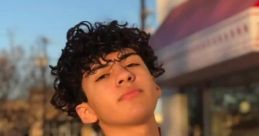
<point x="100" y="96"/>
<point x="152" y="84"/>
<point x="145" y="79"/>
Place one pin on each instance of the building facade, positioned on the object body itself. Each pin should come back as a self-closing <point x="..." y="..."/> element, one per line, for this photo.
<point x="210" y="50"/>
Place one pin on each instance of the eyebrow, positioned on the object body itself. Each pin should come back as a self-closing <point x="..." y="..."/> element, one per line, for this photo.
<point x="122" y="57"/>
<point x="125" y="56"/>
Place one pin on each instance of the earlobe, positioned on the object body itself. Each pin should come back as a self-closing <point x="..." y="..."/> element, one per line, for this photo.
<point x="158" y="89"/>
<point x="86" y="113"/>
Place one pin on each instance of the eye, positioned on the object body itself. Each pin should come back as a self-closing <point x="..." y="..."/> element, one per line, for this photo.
<point x="102" y="77"/>
<point x="132" y="65"/>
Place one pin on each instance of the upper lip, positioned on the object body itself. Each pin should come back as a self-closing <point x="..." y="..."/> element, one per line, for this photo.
<point x="129" y="91"/>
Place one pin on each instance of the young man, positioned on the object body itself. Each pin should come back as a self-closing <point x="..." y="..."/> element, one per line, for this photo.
<point x="106" y="75"/>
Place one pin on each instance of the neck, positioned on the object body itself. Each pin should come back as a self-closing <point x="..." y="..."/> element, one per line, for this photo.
<point x="149" y="128"/>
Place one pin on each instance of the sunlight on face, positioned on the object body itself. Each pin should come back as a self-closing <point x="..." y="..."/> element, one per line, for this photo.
<point x="103" y="71"/>
<point x="121" y="89"/>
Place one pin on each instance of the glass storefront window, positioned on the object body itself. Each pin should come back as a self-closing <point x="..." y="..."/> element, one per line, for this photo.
<point x="235" y="110"/>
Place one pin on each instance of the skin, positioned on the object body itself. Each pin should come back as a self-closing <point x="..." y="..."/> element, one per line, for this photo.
<point x="122" y="95"/>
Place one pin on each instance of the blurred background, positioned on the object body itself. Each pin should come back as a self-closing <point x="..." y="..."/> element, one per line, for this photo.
<point x="209" y="48"/>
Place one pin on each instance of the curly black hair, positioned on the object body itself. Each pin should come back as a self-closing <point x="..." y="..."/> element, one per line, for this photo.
<point x="86" y="44"/>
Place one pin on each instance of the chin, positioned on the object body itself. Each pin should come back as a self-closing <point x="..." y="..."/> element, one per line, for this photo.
<point x="141" y="115"/>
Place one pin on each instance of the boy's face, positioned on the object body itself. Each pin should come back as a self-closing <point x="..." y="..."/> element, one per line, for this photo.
<point x="119" y="92"/>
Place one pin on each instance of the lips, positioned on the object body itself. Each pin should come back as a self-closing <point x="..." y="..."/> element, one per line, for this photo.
<point x="130" y="94"/>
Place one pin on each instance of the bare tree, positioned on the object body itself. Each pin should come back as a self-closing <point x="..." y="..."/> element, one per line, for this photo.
<point x="6" y="74"/>
<point x="13" y="73"/>
<point x="23" y="69"/>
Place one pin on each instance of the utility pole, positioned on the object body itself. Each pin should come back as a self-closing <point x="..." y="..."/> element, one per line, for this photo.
<point x="143" y="14"/>
<point x="44" y="42"/>
<point x="42" y="63"/>
<point x="11" y="37"/>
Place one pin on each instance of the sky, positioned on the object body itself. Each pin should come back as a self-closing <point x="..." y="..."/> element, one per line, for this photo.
<point x="28" y="20"/>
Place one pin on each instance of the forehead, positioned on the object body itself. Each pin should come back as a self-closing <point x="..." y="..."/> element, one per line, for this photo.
<point x="117" y="54"/>
<point x="113" y="56"/>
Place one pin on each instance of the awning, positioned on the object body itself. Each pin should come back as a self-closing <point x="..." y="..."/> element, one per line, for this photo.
<point x="203" y="39"/>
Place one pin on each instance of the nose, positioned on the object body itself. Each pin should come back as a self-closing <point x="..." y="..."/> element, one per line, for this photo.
<point x="123" y="75"/>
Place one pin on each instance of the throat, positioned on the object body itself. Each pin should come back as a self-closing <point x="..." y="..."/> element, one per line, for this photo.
<point x="149" y="129"/>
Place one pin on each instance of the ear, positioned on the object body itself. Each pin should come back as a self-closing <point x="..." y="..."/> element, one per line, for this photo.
<point x="86" y="113"/>
<point x="158" y="89"/>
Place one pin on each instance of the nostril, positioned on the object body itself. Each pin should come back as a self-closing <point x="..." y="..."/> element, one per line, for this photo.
<point x="129" y="78"/>
<point x="120" y="81"/>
